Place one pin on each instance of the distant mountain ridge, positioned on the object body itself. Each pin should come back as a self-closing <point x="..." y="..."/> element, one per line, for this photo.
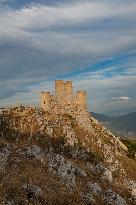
<point x="121" y="125"/>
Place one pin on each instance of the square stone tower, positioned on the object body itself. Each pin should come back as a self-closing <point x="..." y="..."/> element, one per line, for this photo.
<point x="63" y="92"/>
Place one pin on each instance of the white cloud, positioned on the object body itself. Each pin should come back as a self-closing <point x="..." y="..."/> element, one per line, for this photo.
<point x="122" y="98"/>
<point x="45" y="27"/>
<point x="42" y="16"/>
<point x="40" y="42"/>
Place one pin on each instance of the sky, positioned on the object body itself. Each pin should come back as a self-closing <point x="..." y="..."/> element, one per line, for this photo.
<point x="91" y="42"/>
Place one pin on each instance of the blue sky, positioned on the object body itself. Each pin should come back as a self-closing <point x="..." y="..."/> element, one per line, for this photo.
<point x="92" y="42"/>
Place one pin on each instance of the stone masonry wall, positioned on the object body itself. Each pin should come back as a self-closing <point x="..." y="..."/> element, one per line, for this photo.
<point x="63" y="91"/>
<point x="47" y="101"/>
<point x="81" y="101"/>
<point x="64" y="101"/>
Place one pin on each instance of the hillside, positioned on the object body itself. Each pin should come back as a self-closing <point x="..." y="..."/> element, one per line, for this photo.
<point x="124" y="125"/>
<point x="48" y="158"/>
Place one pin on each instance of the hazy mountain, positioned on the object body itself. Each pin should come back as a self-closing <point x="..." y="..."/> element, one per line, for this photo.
<point x="122" y="125"/>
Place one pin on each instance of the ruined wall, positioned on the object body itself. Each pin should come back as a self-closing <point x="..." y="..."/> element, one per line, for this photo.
<point x="47" y="101"/>
<point x="59" y="90"/>
<point x="64" y="100"/>
<point x="81" y="100"/>
<point x="63" y="91"/>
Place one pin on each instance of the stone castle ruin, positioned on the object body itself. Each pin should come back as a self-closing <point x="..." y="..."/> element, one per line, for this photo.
<point x="64" y="100"/>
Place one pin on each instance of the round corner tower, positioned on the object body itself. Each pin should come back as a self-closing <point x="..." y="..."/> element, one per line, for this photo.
<point x="81" y="101"/>
<point x="47" y="101"/>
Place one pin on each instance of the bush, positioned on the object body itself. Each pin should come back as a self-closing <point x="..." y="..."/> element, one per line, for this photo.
<point x="131" y="147"/>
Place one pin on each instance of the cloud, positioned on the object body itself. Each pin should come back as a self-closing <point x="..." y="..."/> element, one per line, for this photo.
<point x="1" y="1"/>
<point x="122" y="98"/>
<point x="43" y="16"/>
<point x="42" y="42"/>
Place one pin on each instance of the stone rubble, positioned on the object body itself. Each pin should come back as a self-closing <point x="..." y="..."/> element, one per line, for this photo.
<point x="94" y="188"/>
<point x="62" y="167"/>
<point x="113" y="198"/>
<point x="132" y="186"/>
<point x="88" y="199"/>
<point x="4" y="154"/>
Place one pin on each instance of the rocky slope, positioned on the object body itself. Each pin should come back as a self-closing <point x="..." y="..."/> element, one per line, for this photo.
<point x="53" y="159"/>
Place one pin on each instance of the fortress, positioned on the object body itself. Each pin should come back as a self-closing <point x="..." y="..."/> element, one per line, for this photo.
<point x="64" y="101"/>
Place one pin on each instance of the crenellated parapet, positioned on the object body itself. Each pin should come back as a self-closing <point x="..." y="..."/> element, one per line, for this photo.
<point x="64" y="101"/>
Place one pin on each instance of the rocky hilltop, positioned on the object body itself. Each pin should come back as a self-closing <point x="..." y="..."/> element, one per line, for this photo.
<point x="50" y="158"/>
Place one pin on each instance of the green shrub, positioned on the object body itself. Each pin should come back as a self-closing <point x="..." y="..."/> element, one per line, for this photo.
<point x="131" y="145"/>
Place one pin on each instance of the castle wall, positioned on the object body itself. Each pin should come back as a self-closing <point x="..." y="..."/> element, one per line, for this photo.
<point x="59" y="91"/>
<point x="81" y="100"/>
<point x="63" y="91"/>
<point x="68" y="92"/>
<point x="47" y="101"/>
<point x="64" y="101"/>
